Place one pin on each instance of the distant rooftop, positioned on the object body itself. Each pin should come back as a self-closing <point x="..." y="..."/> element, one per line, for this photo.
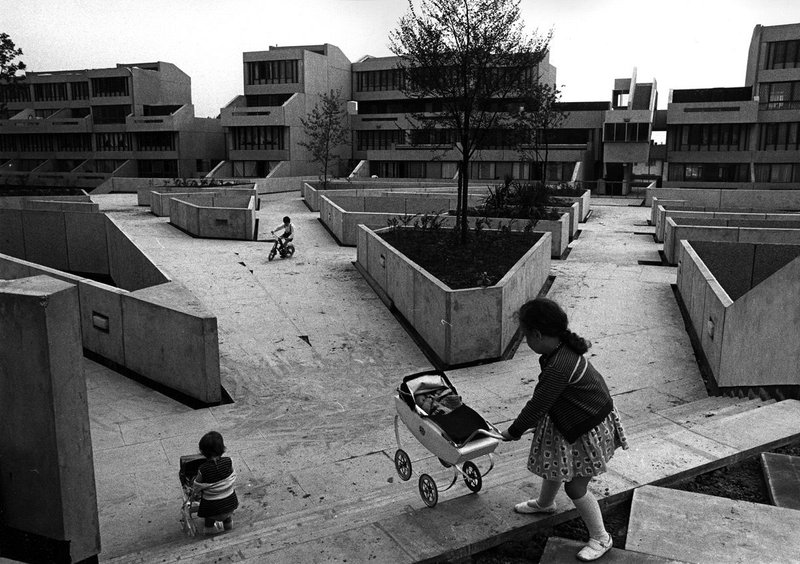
<point x="583" y="106"/>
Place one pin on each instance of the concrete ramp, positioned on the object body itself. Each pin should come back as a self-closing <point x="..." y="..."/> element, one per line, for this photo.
<point x="703" y="528"/>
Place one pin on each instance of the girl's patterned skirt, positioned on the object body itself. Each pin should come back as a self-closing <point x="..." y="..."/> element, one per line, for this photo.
<point x="553" y="458"/>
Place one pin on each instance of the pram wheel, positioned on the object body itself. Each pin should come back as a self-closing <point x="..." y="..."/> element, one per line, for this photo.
<point x="402" y="464"/>
<point x="428" y="491"/>
<point x="472" y="476"/>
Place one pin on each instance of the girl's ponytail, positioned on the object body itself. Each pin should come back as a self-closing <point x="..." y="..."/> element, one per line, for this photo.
<point x="575" y="342"/>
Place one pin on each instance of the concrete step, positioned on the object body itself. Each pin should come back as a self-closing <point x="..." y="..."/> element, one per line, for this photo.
<point x="782" y="475"/>
<point x="393" y="521"/>
<point x="563" y="551"/>
<point x="704" y="410"/>
<point x="702" y="528"/>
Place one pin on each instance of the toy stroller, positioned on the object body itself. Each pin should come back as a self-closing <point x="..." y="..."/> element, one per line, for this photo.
<point x="430" y="407"/>
<point x="189" y="465"/>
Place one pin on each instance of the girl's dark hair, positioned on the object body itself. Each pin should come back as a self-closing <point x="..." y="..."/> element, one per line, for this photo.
<point x="286" y="219"/>
<point x="211" y="445"/>
<point x="547" y="317"/>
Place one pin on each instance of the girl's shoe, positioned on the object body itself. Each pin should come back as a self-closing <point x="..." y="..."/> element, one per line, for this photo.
<point x="594" y="549"/>
<point x="532" y="506"/>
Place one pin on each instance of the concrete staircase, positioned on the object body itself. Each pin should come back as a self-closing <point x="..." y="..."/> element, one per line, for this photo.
<point x="390" y="524"/>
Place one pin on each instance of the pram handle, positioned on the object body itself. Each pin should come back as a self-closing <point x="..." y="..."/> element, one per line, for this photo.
<point x="496" y="435"/>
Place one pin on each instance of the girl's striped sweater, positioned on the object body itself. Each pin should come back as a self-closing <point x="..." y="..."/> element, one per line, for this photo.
<point x="575" y="407"/>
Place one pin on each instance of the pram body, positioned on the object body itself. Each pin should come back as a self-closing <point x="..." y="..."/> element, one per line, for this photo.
<point x="189" y="465"/>
<point x="456" y="437"/>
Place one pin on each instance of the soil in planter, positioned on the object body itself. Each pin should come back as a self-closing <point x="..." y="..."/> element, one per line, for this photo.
<point x="742" y="481"/>
<point x="482" y="261"/>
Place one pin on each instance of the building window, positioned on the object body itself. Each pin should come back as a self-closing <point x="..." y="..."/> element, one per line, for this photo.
<point x="156" y="141"/>
<point x="783" y="55"/>
<point x="272" y="72"/>
<point x="110" y="114"/>
<point x="709" y="172"/>
<point x="157" y="168"/>
<point x="112" y="141"/>
<point x="74" y="142"/>
<point x="379" y="80"/>
<point x="380" y="139"/>
<point x="14" y="93"/>
<point x="777" y="172"/>
<point x="626" y="132"/>
<point x="781" y="136"/>
<point x="779" y="96"/>
<point x="79" y="90"/>
<point x="110" y="86"/>
<point x="50" y="92"/>
<point x="708" y="137"/>
<point x="35" y="143"/>
<point x="413" y="169"/>
<point x="261" y="138"/>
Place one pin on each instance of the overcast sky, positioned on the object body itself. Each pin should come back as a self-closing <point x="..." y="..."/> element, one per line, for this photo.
<point x="679" y="43"/>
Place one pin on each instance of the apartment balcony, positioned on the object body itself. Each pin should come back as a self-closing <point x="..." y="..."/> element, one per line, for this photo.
<point x="172" y="121"/>
<point x="66" y="120"/>
<point x="239" y="114"/>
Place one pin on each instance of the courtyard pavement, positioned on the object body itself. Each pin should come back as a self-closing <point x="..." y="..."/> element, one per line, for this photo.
<point x="311" y="358"/>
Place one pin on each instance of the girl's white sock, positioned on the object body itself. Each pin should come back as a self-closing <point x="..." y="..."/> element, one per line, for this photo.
<point x="590" y="512"/>
<point x="547" y="493"/>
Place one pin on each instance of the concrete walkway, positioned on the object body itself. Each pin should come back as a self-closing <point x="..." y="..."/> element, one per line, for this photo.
<point x="311" y="358"/>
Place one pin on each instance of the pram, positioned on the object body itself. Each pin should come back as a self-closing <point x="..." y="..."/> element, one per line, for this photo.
<point x="189" y="465"/>
<point x="449" y="429"/>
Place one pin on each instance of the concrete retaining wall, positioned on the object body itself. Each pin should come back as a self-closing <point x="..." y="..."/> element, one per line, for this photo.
<point x="215" y="216"/>
<point x="21" y="202"/>
<point x="47" y="480"/>
<point x="344" y="223"/>
<point x="721" y="198"/>
<point x="716" y="229"/>
<point x="741" y="299"/>
<point x="94" y="244"/>
<point x="459" y="325"/>
<point x="143" y="192"/>
<point x="160" y="201"/>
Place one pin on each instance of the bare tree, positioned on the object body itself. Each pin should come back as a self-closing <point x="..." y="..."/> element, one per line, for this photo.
<point x="9" y="67"/>
<point x="474" y="60"/>
<point x="326" y="130"/>
<point x="534" y="128"/>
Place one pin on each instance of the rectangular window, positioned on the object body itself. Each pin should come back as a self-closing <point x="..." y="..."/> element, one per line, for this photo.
<point x="112" y="141"/>
<point x="14" y="93"/>
<point x="110" y="86"/>
<point x="273" y="72"/>
<point x="74" y="142"/>
<point x="379" y="80"/>
<point x="50" y="92"/>
<point x="379" y="139"/>
<point x="262" y="138"/>
<point x="156" y="141"/>
<point x="783" y="54"/>
<point x="79" y="90"/>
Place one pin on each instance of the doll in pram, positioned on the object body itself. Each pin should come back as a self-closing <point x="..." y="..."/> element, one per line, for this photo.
<point x="430" y="407"/>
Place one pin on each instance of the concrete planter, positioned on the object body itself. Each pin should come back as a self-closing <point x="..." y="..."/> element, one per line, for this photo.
<point x="584" y="200"/>
<point x="741" y="299"/>
<point x="459" y="326"/>
<point x="343" y="215"/>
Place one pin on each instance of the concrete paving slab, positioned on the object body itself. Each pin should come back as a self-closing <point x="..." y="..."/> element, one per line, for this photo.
<point x="782" y="476"/>
<point x="703" y="528"/>
<point x="755" y="427"/>
<point x="563" y="551"/>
